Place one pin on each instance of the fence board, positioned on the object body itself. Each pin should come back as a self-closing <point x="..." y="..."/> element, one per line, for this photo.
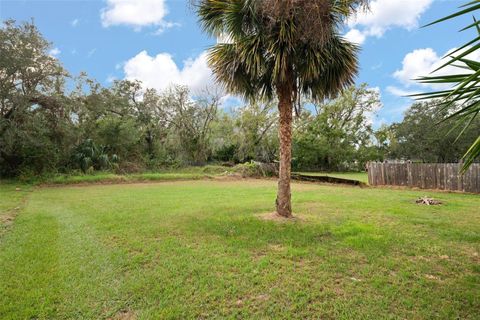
<point x="444" y="176"/>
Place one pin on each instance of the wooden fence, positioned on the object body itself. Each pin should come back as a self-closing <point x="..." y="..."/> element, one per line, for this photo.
<point x="443" y="176"/>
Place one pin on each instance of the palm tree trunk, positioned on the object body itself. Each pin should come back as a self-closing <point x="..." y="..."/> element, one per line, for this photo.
<point x="284" y="205"/>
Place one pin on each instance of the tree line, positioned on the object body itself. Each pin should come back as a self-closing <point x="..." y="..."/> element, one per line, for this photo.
<point x="52" y="122"/>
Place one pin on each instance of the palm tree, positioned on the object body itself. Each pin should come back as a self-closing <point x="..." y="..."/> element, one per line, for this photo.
<point x="272" y="51"/>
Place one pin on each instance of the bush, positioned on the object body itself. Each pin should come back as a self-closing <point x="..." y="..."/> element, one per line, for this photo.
<point x="226" y="153"/>
<point x="256" y="169"/>
<point x="89" y="156"/>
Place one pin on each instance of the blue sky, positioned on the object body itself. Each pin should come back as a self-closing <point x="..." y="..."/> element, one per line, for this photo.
<point x="160" y="42"/>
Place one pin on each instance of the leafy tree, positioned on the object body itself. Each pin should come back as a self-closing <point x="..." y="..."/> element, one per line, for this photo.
<point x="340" y="136"/>
<point x="189" y="119"/>
<point x="120" y="136"/>
<point x="269" y="55"/>
<point x="247" y="133"/>
<point x="112" y="117"/>
<point x="256" y="138"/>
<point x="224" y="141"/>
<point x="385" y="140"/>
<point x="34" y="116"/>
<point x="420" y="137"/>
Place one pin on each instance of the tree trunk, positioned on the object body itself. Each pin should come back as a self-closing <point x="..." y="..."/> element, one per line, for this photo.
<point x="284" y="205"/>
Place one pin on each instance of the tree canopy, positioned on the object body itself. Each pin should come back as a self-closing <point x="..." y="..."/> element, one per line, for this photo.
<point x="52" y="122"/>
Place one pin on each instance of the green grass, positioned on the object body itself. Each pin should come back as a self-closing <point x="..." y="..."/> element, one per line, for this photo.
<point x="196" y="250"/>
<point x="359" y="176"/>
<point x="12" y="197"/>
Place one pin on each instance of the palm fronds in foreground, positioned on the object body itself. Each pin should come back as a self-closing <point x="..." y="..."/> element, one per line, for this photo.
<point x="465" y="84"/>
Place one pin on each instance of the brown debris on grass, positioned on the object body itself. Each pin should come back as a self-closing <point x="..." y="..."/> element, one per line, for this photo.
<point x="274" y="216"/>
<point x="428" y="201"/>
<point x="431" y="277"/>
<point x="7" y="218"/>
<point x="125" y="315"/>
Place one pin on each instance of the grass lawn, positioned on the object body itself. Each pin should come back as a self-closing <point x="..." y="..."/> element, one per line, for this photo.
<point x="359" y="176"/>
<point x="196" y="249"/>
<point x="12" y="199"/>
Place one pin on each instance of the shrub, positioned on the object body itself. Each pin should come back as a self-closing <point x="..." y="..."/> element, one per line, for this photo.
<point x="256" y="169"/>
<point x="89" y="156"/>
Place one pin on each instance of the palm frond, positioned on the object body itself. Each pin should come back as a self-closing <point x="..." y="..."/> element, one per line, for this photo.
<point x="326" y="71"/>
<point x="465" y="87"/>
<point x="470" y="7"/>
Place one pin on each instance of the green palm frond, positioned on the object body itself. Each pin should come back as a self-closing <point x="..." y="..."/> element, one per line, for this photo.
<point x="236" y="18"/>
<point x="258" y="58"/>
<point x="328" y="70"/>
<point x="467" y="8"/>
<point x="465" y="86"/>
<point x="472" y="153"/>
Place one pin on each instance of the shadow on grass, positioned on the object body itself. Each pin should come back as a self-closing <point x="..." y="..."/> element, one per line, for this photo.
<point x="252" y="232"/>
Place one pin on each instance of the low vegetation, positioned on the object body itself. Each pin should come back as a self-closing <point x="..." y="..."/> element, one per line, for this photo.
<point x="243" y="170"/>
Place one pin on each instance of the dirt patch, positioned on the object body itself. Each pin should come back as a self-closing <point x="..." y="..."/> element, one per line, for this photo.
<point x="327" y="179"/>
<point x="432" y="277"/>
<point x="8" y="217"/>
<point x="271" y="248"/>
<point x="255" y="300"/>
<point x="273" y="216"/>
<point x="277" y="247"/>
<point x="124" y="315"/>
<point x="475" y="256"/>
<point x="262" y="297"/>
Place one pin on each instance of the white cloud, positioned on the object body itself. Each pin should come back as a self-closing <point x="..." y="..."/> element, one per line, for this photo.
<point x="54" y="52"/>
<point x="385" y="14"/>
<point x="161" y="71"/>
<point x="422" y="62"/>
<point x="165" y="25"/>
<point x="136" y="13"/>
<point x="74" y="22"/>
<point x="419" y="62"/>
<point x="356" y="36"/>
<point x="400" y="92"/>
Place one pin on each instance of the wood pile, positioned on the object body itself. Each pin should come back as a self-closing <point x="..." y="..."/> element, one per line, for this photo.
<point x="428" y="201"/>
